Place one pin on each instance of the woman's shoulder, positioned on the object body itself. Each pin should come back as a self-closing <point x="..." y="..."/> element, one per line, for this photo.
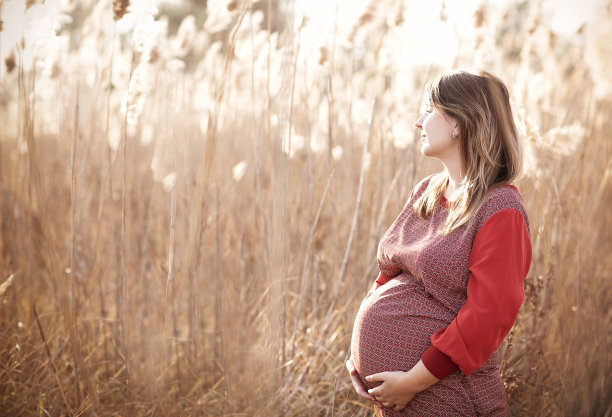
<point x="502" y="197"/>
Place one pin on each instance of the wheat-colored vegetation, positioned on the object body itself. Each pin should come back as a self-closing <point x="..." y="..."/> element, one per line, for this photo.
<point x="191" y="200"/>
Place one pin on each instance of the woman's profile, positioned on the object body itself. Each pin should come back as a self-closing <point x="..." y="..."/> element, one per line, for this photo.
<point x="452" y="264"/>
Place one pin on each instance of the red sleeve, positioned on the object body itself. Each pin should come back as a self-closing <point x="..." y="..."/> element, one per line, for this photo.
<point x="381" y="280"/>
<point x="499" y="262"/>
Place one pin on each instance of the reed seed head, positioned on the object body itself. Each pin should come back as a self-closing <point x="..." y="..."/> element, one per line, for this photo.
<point x="9" y="61"/>
<point x="552" y="39"/>
<point x="120" y="8"/>
<point x="323" y="55"/>
<point x="232" y="5"/>
<point x="154" y="54"/>
<point x="479" y="17"/>
<point x="399" y="17"/>
<point x="533" y="26"/>
<point x="304" y="21"/>
<point x="443" y="16"/>
<point x="366" y="17"/>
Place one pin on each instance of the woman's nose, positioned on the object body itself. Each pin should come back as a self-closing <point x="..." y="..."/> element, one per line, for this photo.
<point x="419" y="122"/>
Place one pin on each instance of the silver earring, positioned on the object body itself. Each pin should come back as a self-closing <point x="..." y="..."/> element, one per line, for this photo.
<point x="454" y="136"/>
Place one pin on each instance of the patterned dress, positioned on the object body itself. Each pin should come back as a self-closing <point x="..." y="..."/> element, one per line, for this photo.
<point x="449" y="300"/>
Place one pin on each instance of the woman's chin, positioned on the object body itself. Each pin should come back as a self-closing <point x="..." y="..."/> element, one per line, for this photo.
<point x="425" y="149"/>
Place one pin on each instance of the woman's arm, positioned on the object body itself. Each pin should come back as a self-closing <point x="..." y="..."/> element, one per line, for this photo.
<point x="499" y="262"/>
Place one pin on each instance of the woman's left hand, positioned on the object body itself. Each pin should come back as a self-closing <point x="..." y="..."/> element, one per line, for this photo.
<point x="398" y="387"/>
<point x="395" y="390"/>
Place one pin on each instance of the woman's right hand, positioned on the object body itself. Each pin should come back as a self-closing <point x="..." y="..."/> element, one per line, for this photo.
<point x="358" y="385"/>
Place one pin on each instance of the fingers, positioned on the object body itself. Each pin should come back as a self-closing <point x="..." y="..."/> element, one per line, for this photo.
<point x="374" y="401"/>
<point x="364" y="394"/>
<point x="358" y="385"/>
<point x="361" y="391"/>
<point x="350" y="366"/>
<point x="377" y="377"/>
<point x="360" y="388"/>
<point x="398" y="407"/>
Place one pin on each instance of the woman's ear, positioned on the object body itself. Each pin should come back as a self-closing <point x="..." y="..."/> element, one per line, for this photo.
<point x="455" y="134"/>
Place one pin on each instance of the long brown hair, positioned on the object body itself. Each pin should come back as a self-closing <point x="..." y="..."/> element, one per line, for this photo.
<point x="489" y="143"/>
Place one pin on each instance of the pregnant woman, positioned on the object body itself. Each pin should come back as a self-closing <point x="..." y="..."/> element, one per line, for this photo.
<point x="452" y="264"/>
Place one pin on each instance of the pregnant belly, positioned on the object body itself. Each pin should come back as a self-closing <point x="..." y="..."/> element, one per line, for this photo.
<point x="393" y="326"/>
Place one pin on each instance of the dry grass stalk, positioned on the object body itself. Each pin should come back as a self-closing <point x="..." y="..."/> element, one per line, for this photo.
<point x="355" y="218"/>
<point x="38" y="205"/>
<point x="305" y="270"/>
<point x="121" y="288"/>
<point x="219" y="294"/>
<point x="55" y="374"/>
<point x="6" y="284"/>
<point x="73" y="303"/>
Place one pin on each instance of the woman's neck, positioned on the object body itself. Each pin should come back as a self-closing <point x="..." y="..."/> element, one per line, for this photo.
<point x="454" y="181"/>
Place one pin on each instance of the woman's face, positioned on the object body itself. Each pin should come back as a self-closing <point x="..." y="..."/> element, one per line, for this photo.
<point x="436" y="134"/>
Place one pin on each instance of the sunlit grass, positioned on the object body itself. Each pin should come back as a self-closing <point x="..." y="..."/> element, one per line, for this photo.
<point x="181" y="229"/>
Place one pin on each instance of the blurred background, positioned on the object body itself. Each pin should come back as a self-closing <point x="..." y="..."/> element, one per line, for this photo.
<point x="192" y="194"/>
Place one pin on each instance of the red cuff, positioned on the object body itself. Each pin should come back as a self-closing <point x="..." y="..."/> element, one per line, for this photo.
<point x="381" y="280"/>
<point x="438" y="363"/>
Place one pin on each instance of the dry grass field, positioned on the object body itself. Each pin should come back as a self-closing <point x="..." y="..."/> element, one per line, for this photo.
<point x="191" y="198"/>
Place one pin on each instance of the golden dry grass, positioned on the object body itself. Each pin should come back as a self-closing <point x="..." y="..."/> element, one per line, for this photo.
<point x="181" y="228"/>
